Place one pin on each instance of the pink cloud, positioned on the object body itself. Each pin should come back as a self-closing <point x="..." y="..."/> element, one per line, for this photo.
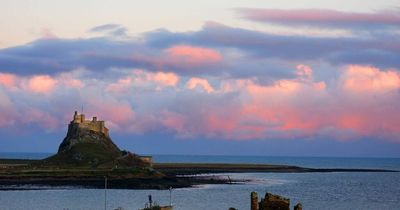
<point x="183" y="58"/>
<point x="121" y="86"/>
<point x="143" y="78"/>
<point x="320" y="16"/>
<point x="220" y="124"/>
<point x="69" y="81"/>
<point x="284" y="107"/>
<point x="362" y="102"/>
<point x="304" y="71"/>
<point x="366" y="79"/>
<point x="41" y="84"/>
<point x="195" y="82"/>
<point x="165" y="79"/>
<point x="8" y="80"/>
<point x="74" y="83"/>
<point x="173" y="121"/>
<point x="7" y="116"/>
<point x="6" y="119"/>
<point x="118" y="114"/>
<point x="42" y="118"/>
<point x="192" y="54"/>
<point x="298" y="108"/>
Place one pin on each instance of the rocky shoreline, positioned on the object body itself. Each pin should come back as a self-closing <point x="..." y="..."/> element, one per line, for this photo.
<point x="176" y="175"/>
<point x="40" y="183"/>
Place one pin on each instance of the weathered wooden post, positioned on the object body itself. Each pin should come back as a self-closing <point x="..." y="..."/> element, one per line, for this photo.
<point x="254" y="201"/>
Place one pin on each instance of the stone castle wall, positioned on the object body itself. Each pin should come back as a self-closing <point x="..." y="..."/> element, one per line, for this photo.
<point x="93" y="125"/>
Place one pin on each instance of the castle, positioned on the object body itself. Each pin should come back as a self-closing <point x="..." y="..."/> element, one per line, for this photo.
<point x="93" y="125"/>
<point x="75" y="135"/>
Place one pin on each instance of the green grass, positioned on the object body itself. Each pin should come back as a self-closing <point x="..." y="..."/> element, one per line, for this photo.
<point x="86" y="155"/>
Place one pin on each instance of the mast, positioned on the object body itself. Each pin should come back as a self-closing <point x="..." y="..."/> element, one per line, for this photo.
<point x="105" y="193"/>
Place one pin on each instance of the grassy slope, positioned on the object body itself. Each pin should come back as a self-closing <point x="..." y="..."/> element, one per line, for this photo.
<point x="85" y="154"/>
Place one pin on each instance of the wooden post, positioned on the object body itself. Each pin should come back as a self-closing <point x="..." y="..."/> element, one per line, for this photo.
<point x="254" y="201"/>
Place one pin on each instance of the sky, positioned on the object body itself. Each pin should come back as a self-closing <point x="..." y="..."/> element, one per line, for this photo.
<point x="274" y="78"/>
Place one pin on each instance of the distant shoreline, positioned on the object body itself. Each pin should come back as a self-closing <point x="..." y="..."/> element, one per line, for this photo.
<point x="178" y="175"/>
<point x="211" y="168"/>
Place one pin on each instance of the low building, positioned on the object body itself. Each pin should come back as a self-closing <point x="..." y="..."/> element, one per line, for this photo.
<point x="147" y="159"/>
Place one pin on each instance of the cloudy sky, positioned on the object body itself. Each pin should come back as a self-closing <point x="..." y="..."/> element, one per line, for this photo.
<point x="307" y="78"/>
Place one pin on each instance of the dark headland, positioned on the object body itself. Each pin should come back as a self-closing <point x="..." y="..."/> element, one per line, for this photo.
<point x="87" y="155"/>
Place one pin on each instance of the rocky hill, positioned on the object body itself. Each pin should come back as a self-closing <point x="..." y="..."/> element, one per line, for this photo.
<point x="88" y="145"/>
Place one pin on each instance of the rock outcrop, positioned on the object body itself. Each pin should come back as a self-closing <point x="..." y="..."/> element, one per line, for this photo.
<point x="274" y="202"/>
<point x="271" y="202"/>
<point x="298" y="207"/>
<point x="80" y="132"/>
<point x="88" y="144"/>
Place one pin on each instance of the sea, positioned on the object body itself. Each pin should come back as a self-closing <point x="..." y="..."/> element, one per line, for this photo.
<point x="336" y="190"/>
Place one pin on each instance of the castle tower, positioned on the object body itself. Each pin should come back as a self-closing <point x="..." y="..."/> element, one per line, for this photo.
<point x="77" y="118"/>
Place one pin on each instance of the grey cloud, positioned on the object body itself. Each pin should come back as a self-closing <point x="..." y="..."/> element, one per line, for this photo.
<point x="105" y="27"/>
<point x="334" y="50"/>
<point x="52" y="56"/>
<point x="324" y="18"/>
<point x="262" y="55"/>
<point x="115" y="30"/>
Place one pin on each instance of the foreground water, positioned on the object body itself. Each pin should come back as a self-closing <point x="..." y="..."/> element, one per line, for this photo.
<point x="314" y="190"/>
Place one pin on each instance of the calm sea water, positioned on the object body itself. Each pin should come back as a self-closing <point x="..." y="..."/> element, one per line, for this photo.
<point x="313" y="190"/>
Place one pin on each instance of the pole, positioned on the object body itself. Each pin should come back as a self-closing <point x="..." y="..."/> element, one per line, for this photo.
<point x="150" y="201"/>
<point x="105" y="193"/>
<point x="170" y="196"/>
